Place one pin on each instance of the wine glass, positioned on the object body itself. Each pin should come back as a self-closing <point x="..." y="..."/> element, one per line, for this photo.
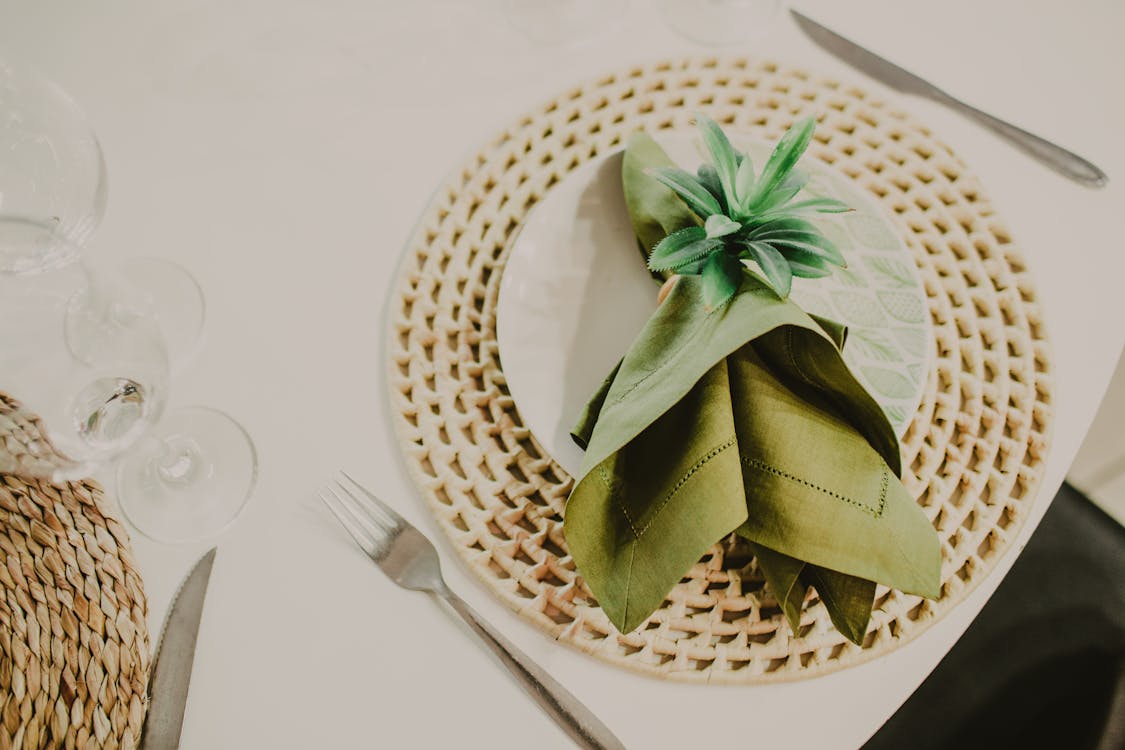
<point x="189" y="478"/>
<point x="191" y="473"/>
<point x="85" y="367"/>
<point x="84" y="349"/>
<point x="52" y="174"/>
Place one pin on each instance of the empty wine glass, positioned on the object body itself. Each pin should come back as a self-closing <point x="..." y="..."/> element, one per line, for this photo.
<point x="84" y="350"/>
<point x="190" y="475"/>
<point x="52" y="174"/>
<point x="85" y="359"/>
<point x="189" y="478"/>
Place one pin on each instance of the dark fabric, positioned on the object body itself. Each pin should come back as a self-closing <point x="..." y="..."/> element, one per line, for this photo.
<point x="1042" y="663"/>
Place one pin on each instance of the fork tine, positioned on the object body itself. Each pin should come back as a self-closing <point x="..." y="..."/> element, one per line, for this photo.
<point x="390" y="513"/>
<point x="373" y="513"/>
<point x="379" y="531"/>
<point x="361" y="538"/>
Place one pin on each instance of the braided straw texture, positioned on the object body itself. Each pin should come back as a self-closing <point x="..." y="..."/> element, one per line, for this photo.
<point x="973" y="454"/>
<point x="74" y="650"/>
<point x="24" y="446"/>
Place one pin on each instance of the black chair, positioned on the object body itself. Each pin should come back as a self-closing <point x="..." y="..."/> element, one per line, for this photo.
<point x="1043" y="665"/>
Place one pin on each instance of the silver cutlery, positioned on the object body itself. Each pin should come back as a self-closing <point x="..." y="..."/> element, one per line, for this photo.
<point x="1057" y="158"/>
<point x="410" y="560"/>
<point x="175" y="655"/>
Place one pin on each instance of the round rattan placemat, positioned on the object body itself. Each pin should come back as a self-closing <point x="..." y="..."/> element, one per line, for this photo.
<point x="74" y="651"/>
<point x="973" y="454"/>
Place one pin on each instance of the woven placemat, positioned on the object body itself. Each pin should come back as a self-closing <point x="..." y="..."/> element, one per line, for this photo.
<point x="974" y="452"/>
<point x="74" y="650"/>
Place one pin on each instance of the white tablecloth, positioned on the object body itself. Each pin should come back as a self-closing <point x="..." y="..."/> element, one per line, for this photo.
<point x="282" y="151"/>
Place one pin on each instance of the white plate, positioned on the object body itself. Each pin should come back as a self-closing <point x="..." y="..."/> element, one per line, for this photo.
<point x="575" y="293"/>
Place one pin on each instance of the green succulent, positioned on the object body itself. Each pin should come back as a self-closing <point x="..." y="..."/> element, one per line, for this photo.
<point x="747" y="217"/>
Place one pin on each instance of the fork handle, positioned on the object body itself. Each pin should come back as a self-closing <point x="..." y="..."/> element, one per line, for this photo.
<point x="577" y="720"/>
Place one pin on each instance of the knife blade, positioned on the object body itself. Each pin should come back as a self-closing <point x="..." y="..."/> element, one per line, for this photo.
<point x="1057" y="158"/>
<point x="864" y="60"/>
<point x="175" y="656"/>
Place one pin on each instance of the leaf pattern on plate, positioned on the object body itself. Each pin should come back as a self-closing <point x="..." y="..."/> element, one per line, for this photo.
<point x="838" y="237"/>
<point x="813" y="303"/>
<point x="894" y="272"/>
<point x="848" y="277"/>
<point x="875" y="345"/>
<point x="911" y="340"/>
<point x="896" y="415"/>
<point x="820" y="186"/>
<point x="871" y="233"/>
<point x="903" y="306"/>
<point x="889" y="383"/>
<point x="858" y="309"/>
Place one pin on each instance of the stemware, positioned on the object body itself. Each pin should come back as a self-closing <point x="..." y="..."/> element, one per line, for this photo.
<point x="85" y="353"/>
<point x="52" y="174"/>
<point x="189" y="478"/>
<point x="88" y="364"/>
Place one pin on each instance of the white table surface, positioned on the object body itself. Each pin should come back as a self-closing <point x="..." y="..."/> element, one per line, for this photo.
<point x="282" y="151"/>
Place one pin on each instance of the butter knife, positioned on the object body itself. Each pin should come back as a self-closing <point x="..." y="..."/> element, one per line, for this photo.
<point x="1057" y="158"/>
<point x="175" y="655"/>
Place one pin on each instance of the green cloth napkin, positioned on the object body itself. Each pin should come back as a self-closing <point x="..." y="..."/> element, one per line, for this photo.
<point x="739" y="419"/>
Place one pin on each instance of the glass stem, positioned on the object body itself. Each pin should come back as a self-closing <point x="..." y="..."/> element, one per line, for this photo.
<point x="181" y="461"/>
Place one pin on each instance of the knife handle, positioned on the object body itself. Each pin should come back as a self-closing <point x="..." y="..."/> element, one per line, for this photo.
<point x="577" y="720"/>
<point x="1056" y="157"/>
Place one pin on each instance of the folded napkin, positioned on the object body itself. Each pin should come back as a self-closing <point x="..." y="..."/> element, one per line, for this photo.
<point x="742" y="418"/>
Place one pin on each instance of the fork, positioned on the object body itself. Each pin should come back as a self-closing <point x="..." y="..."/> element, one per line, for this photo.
<point x="410" y="560"/>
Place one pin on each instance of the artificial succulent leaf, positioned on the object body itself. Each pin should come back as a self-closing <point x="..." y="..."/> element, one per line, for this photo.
<point x="694" y="194"/>
<point x="808" y="271"/>
<point x="744" y="180"/>
<point x="718" y="225"/>
<point x="777" y="235"/>
<point x="709" y="179"/>
<point x="784" y="192"/>
<point x="723" y="155"/>
<point x="760" y="227"/>
<point x="825" y="250"/>
<point x="654" y="209"/>
<point x="722" y="275"/>
<point x="691" y="268"/>
<point x="800" y="257"/>
<point x="813" y="206"/>
<point x="795" y="238"/>
<point x="678" y="239"/>
<point x="674" y="258"/>
<point x="784" y="157"/>
<point x="672" y="245"/>
<point x="774" y="265"/>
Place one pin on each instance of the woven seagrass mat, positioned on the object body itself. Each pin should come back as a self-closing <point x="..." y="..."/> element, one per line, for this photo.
<point x="74" y="648"/>
<point x="973" y="454"/>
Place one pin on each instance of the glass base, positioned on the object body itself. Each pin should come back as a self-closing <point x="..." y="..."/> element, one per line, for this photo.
<point x="190" y="479"/>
